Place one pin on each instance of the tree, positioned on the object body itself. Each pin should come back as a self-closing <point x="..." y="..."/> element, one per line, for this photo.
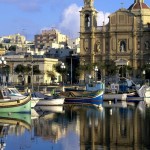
<point x="85" y="68"/>
<point x="52" y="75"/>
<point x="110" y="67"/>
<point x="19" y="69"/>
<point x="12" y="48"/>
<point x="27" y="69"/>
<point x="62" y="71"/>
<point x="36" y="69"/>
<point x="6" y="69"/>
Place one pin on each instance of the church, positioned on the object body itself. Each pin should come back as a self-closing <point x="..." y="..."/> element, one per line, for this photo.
<point x="124" y="41"/>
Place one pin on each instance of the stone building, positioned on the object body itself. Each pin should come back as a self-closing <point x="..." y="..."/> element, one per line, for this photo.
<point x="48" y="37"/>
<point x="44" y="65"/>
<point x="125" y="39"/>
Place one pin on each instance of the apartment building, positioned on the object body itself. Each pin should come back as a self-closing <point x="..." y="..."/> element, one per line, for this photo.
<point x="48" y="37"/>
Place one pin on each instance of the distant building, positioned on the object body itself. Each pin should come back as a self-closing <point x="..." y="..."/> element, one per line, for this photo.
<point x="74" y="44"/>
<point x="125" y="39"/>
<point x="19" y="42"/>
<point x="14" y="39"/>
<point x="48" y="38"/>
<point x="60" y="53"/>
<point x="43" y="64"/>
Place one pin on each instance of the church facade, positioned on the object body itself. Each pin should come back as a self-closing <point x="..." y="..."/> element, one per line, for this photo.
<point x="124" y="40"/>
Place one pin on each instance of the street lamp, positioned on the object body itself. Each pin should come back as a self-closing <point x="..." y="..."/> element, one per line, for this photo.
<point x="96" y="70"/>
<point x="90" y="79"/>
<point x="144" y="74"/>
<point x="71" y="65"/>
<point x="2" y="63"/>
<point x="84" y="70"/>
<point x="63" y="67"/>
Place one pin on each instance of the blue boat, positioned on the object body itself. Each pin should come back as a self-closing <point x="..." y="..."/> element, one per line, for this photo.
<point x="85" y="97"/>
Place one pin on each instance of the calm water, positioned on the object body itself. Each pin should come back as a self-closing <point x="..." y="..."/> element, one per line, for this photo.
<point x="116" y="127"/>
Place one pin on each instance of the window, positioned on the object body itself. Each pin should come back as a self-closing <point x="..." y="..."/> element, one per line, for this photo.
<point x="87" y="20"/>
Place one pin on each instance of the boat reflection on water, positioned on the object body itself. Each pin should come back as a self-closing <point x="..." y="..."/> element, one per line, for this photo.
<point x="13" y="124"/>
<point x="116" y="126"/>
<point x="55" y="109"/>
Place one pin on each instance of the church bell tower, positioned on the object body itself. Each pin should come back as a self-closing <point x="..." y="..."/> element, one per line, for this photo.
<point x="88" y="27"/>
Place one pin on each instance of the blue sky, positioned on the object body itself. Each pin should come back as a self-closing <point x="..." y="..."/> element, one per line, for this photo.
<point x="29" y="17"/>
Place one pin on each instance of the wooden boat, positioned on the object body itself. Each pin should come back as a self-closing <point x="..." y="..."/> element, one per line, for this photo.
<point x="53" y="100"/>
<point x="94" y="98"/>
<point x="15" y="94"/>
<point x="13" y="105"/>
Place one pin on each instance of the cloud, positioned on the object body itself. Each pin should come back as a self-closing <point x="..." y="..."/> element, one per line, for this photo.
<point x="102" y="17"/>
<point x="70" y="21"/>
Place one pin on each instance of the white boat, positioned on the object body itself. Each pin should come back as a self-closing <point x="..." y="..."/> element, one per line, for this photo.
<point x="15" y="94"/>
<point x="15" y="105"/>
<point x="53" y="100"/>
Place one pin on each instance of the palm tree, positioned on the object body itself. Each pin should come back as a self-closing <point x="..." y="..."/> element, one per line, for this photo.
<point x="110" y="67"/>
<point x="36" y="70"/>
<point x="19" y="69"/>
<point x="52" y="75"/>
<point x="62" y="71"/>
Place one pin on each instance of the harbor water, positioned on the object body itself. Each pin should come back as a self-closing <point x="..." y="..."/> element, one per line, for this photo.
<point x="112" y="126"/>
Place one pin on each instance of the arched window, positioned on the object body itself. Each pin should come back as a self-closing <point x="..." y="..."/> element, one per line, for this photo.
<point x="87" y="20"/>
<point x="122" y="46"/>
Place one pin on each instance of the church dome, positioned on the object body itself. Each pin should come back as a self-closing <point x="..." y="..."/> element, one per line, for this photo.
<point x="138" y="5"/>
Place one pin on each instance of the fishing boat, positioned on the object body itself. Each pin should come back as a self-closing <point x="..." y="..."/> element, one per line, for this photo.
<point x="13" y="105"/>
<point x="53" y="100"/>
<point x="15" y="94"/>
<point x="85" y="97"/>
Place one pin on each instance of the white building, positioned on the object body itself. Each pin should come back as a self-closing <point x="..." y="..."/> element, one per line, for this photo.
<point x="43" y="64"/>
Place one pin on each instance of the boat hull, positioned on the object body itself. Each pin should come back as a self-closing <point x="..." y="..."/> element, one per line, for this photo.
<point x="51" y="102"/>
<point x="95" y="100"/>
<point x="20" y="106"/>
